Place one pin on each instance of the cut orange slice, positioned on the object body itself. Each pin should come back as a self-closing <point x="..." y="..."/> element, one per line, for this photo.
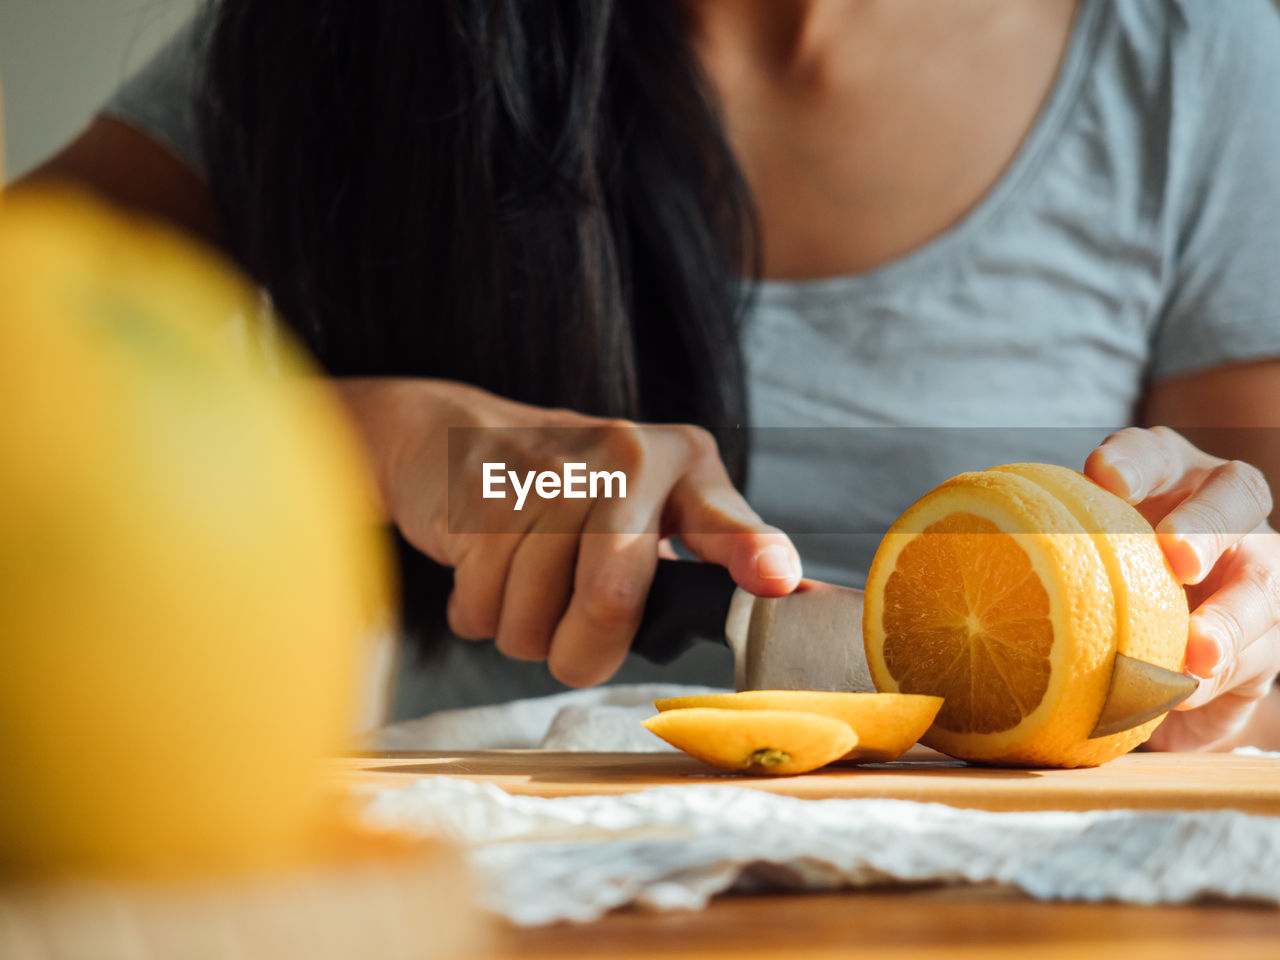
<point x="775" y="742"/>
<point x="887" y="724"/>
<point x="1008" y="592"/>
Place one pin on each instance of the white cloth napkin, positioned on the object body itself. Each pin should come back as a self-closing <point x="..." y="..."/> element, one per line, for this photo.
<point x="576" y="858"/>
<point x="603" y="719"/>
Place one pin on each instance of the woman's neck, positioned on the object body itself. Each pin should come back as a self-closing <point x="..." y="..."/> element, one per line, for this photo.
<point x="867" y="127"/>
<point x="805" y="39"/>
<point x="772" y="33"/>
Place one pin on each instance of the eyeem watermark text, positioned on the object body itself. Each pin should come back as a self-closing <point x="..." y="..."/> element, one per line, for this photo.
<point x="574" y="482"/>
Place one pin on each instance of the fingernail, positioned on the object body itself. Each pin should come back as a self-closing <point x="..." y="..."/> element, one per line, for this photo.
<point x="1206" y="655"/>
<point x="1220" y="657"/>
<point x="777" y="563"/>
<point x="1182" y="552"/>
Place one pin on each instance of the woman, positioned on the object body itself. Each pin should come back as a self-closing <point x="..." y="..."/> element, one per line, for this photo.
<point x="994" y="229"/>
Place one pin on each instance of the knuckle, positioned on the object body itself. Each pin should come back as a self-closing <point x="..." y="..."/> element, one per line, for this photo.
<point x="1155" y="448"/>
<point x="699" y="442"/>
<point x="1265" y="579"/>
<point x="1118" y="435"/>
<point x="623" y="443"/>
<point x="540" y="452"/>
<point x="1250" y="481"/>
<point x="1203" y="517"/>
<point x="613" y="602"/>
<point x="1232" y="626"/>
<point x="695" y="446"/>
<point x="1138" y="437"/>
<point x="1176" y="447"/>
<point x="1157" y="442"/>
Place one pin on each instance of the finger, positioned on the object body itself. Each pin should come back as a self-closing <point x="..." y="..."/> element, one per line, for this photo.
<point x="760" y="558"/>
<point x="539" y="584"/>
<point x="1137" y="463"/>
<point x="1202" y="729"/>
<point x="1233" y="637"/>
<point x="611" y="583"/>
<point x="479" y="578"/>
<point x="1232" y="500"/>
<point x="1229" y="712"/>
<point x="718" y="525"/>
<point x="1255" y="674"/>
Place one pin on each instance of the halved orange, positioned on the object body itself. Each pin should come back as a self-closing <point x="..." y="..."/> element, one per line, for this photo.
<point x="1008" y="592"/>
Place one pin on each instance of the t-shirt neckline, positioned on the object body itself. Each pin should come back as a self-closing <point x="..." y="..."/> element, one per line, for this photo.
<point x="1044" y="131"/>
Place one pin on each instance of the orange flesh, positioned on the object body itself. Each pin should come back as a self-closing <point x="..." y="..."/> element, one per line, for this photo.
<point x="966" y="618"/>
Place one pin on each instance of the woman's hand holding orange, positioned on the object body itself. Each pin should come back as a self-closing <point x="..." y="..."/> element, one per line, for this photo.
<point x="1211" y="518"/>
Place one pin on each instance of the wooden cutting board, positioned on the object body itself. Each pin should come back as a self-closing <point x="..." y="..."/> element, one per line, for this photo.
<point x="1141" y="781"/>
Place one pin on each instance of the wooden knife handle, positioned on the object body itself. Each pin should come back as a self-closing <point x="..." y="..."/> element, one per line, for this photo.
<point x="688" y="602"/>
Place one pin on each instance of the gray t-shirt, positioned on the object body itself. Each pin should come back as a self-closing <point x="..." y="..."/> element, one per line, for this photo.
<point x="1135" y="236"/>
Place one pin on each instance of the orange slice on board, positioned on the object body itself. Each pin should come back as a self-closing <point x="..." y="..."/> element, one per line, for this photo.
<point x="887" y="724"/>
<point x="775" y="742"/>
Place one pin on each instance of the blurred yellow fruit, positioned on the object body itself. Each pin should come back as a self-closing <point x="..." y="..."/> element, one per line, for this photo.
<point x="887" y="724"/>
<point x="190" y="557"/>
<point x="1008" y="592"/>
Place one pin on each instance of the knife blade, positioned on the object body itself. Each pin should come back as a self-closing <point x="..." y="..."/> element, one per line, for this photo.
<point x="812" y="640"/>
<point x="1139" y="692"/>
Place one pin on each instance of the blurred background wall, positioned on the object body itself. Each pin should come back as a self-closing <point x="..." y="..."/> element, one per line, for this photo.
<point x="60" y="59"/>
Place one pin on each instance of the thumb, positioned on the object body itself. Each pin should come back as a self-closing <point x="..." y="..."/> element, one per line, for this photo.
<point x="714" y="521"/>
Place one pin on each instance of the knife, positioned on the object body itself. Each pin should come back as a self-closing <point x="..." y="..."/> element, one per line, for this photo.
<point x="812" y="640"/>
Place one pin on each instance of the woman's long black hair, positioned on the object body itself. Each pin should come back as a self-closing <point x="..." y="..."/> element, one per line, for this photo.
<point x="532" y="196"/>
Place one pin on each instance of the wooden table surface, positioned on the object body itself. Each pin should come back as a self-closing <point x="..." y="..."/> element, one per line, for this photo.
<point x="916" y="923"/>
